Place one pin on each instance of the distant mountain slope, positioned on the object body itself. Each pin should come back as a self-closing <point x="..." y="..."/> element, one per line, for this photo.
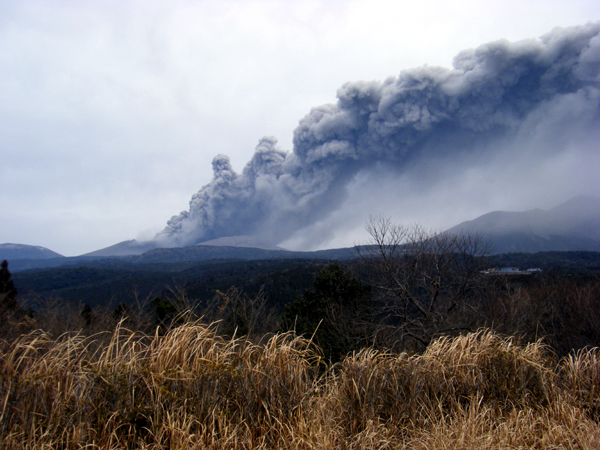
<point x="125" y="248"/>
<point x="21" y="251"/>
<point x="204" y="252"/>
<point x="195" y="253"/>
<point x="134" y="248"/>
<point x="242" y="241"/>
<point x="571" y="226"/>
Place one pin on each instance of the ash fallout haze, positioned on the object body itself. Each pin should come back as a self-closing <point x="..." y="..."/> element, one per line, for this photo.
<point x="113" y="113"/>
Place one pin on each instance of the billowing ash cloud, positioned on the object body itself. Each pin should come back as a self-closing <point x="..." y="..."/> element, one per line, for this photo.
<point x="495" y="93"/>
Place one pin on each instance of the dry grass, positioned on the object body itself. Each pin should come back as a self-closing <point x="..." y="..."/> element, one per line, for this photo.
<point x="581" y="377"/>
<point x="193" y="389"/>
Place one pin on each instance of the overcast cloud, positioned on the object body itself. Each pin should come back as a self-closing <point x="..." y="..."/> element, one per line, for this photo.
<point x="111" y="112"/>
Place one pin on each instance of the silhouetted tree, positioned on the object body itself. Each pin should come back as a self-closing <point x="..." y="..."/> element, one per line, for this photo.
<point x="8" y="292"/>
<point x="86" y="314"/>
<point x="165" y="311"/>
<point x="337" y="311"/>
<point x="426" y="282"/>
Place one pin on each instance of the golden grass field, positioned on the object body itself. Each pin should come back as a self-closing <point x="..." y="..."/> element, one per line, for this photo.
<point x="191" y="389"/>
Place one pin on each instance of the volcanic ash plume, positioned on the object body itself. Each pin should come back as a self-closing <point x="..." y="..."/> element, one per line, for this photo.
<point x="500" y="92"/>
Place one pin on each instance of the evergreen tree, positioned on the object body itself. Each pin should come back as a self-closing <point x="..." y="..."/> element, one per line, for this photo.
<point x="336" y="312"/>
<point x="8" y="292"/>
<point x="87" y="315"/>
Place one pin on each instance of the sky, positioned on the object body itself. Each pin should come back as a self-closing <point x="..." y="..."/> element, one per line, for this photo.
<point x="112" y="112"/>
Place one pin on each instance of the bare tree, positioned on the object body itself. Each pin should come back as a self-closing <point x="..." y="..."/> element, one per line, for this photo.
<point x="426" y="282"/>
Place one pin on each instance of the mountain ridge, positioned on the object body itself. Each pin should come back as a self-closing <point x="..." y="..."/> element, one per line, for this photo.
<point x="10" y="251"/>
<point x="571" y="226"/>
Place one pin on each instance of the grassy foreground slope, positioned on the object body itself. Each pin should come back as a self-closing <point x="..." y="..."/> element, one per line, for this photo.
<point x="190" y="388"/>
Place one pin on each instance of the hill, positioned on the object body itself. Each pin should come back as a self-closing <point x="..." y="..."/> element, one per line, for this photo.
<point x="571" y="226"/>
<point x="21" y="251"/>
<point x="125" y="248"/>
<point x="194" y="253"/>
<point x="134" y="247"/>
<point x="209" y="252"/>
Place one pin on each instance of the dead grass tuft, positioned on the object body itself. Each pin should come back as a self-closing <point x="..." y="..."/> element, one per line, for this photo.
<point x="581" y="378"/>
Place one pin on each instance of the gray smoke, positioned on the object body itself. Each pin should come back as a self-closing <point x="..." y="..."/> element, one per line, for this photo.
<point x="495" y="95"/>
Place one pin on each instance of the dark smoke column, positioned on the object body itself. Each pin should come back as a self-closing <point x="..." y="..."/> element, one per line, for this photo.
<point x="492" y="94"/>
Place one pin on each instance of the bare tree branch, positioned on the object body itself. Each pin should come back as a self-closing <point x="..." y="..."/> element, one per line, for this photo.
<point x="423" y="279"/>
